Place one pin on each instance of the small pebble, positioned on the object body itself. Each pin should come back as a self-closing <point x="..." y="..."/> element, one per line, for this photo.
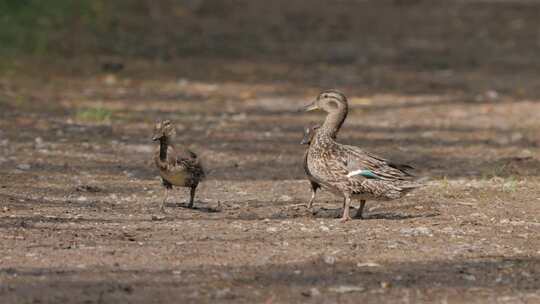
<point x="23" y="167"/>
<point x="158" y="217"/>
<point x="330" y="260"/>
<point x="346" y="289"/>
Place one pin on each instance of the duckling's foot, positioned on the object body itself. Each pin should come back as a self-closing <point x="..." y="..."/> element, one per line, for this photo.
<point x="191" y="196"/>
<point x="162" y="209"/>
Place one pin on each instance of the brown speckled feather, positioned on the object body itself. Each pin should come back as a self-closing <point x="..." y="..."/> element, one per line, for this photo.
<point x="182" y="167"/>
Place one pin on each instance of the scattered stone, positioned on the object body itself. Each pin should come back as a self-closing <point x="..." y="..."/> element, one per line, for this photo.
<point x="418" y="231"/>
<point x="224" y="293"/>
<point x="491" y="95"/>
<point x="312" y="292"/>
<point x="82" y="199"/>
<point x="23" y="167"/>
<point x="285" y="198"/>
<point x="465" y="204"/>
<point x="385" y="284"/>
<point x="469" y="277"/>
<point x="325" y="228"/>
<point x="329" y="259"/>
<point x="516" y="136"/>
<point x="368" y="264"/>
<point x="239" y="117"/>
<point x="158" y="217"/>
<point x="346" y="289"/>
<point x="110" y="80"/>
<point x="271" y="229"/>
<point x="39" y="142"/>
<point x="88" y="188"/>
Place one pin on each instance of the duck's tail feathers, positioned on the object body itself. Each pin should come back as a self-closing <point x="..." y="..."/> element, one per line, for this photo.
<point x="421" y="182"/>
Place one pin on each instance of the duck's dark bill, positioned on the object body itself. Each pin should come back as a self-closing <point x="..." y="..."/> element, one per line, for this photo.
<point x="310" y="107"/>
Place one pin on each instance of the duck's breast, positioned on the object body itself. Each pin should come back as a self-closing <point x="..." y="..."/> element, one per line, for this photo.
<point x="177" y="177"/>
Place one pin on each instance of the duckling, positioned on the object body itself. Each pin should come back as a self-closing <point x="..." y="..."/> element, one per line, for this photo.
<point x="349" y="171"/>
<point x="177" y="166"/>
<point x="309" y="132"/>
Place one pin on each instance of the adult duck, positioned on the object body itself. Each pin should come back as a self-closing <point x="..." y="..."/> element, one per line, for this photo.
<point x="349" y="171"/>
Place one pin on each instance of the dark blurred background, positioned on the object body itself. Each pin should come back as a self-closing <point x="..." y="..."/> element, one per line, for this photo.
<point x="457" y="44"/>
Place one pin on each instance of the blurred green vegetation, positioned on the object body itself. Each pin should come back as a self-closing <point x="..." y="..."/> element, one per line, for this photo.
<point x="34" y="26"/>
<point x="74" y="27"/>
<point x="96" y="114"/>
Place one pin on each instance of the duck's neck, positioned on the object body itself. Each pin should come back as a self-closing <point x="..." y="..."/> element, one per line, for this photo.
<point x="163" y="147"/>
<point x="333" y="123"/>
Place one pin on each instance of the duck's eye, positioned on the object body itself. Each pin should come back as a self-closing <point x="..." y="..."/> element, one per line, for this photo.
<point x="325" y="96"/>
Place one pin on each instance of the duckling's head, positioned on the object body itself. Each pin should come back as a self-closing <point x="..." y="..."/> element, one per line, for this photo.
<point x="309" y="132"/>
<point x="330" y="101"/>
<point x="163" y="129"/>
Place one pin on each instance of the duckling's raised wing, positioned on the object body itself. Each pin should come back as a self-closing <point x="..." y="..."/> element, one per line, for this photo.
<point x="187" y="160"/>
<point x="360" y="163"/>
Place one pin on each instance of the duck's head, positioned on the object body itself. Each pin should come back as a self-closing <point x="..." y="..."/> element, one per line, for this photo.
<point x="163" y="129"/>
<point x="330" y="101"/>
<point x="309" y="132"/>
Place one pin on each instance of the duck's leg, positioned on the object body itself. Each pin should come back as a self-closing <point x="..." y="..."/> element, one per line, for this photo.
<point x="192" y="196"/>
<point x="314" y="188"/>
<point x="346" y="205"/>
<point x="360" y="210"/>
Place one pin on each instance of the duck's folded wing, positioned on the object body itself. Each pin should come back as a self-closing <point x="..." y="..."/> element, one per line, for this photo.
<point x="366" y="165"/>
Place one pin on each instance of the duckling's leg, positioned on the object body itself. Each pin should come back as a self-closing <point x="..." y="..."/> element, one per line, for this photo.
<point x="162" y="208"/>
<point x="347" y="203"/>
<point x="167" y="186"/>
<point x="314" y="188"/>
<point x="191" y="196"/>
<point x="360" y="210"/>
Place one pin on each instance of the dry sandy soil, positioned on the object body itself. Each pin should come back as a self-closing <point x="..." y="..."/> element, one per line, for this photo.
<point x="79" y="197"/>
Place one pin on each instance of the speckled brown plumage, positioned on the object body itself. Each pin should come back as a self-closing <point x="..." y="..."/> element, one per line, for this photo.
<point x="347" y="170"/>
<point x="177" y="166"/>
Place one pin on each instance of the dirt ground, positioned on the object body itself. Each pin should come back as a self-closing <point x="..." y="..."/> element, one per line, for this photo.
<point x="79" y="196"/>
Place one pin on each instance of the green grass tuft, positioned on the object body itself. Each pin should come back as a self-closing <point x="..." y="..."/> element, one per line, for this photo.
<point x="97" y="114"/>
